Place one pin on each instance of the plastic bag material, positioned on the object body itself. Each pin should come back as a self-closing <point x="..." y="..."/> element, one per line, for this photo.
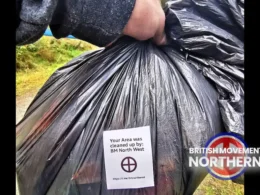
<point x="131" y="84"/>
<point x="211" y="34"/>
<point x="185" y="96"/>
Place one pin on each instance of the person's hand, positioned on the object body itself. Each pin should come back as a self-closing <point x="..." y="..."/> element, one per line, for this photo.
<point x="147" y="21"/>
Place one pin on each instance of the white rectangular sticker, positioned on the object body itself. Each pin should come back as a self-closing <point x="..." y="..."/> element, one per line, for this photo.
<point x="128" y="158"/>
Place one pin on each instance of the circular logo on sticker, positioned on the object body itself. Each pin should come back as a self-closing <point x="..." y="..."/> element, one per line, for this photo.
<point x="129" y="164"/>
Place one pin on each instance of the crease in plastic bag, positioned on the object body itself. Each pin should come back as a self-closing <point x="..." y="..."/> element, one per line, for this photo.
<point x="185" y="97"/>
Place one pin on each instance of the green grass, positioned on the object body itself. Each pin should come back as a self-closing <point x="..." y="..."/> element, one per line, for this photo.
<point x="36" y="62"/>
<point x="213" y="186"/>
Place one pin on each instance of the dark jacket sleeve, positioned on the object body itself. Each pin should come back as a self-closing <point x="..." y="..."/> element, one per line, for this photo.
<point x="96" y="21"/>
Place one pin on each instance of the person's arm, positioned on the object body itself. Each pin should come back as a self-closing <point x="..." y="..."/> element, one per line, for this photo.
<point x="97" y="21"/>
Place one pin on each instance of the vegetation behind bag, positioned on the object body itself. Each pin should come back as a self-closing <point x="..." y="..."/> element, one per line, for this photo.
<point x="186" y="92"/>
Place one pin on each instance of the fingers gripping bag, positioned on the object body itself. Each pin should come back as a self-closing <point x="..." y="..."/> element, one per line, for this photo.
<point x="184" y="96"/>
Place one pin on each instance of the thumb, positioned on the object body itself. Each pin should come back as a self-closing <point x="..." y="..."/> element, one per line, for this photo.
<point x="160" y="36"/>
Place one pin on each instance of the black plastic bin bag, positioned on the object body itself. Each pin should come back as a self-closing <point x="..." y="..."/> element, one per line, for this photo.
<point x="131" y="84"/>
<point x="185" y="92"/>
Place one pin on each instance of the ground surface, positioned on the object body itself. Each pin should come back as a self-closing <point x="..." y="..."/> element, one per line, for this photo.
<point x="22" y="104"/>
